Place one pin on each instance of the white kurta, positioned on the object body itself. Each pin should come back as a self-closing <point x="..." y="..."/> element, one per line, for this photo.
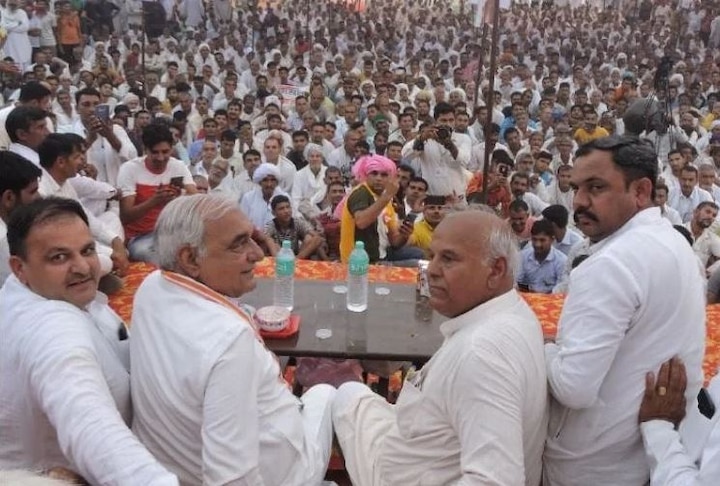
<point x="635" y="303"/>
<point x="690" y="457"/>
<point x="17" y="44"/>
<point x="65" y="391"/>
<point x="209" y="399"/>
<point x="476" y="413"/>
<point x="445" y="175"/>
<point x="102" y="155"/>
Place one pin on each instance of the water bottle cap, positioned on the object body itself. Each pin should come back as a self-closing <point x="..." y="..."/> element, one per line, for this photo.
<point x="287" y="244"/>
<point x="360" y="245"/>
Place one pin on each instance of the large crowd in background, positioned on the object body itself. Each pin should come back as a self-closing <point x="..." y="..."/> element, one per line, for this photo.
<point x="328" y="123"/>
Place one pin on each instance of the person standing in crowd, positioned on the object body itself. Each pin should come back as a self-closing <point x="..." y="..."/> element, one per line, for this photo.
<point x="619" y="319"/>
<point x="477" y="411"/>
<point x="541" y="264"/>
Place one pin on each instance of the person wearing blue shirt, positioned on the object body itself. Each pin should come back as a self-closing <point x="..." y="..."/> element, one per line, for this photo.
<point x="541" y="265"/>
<point x="565" y="238"/>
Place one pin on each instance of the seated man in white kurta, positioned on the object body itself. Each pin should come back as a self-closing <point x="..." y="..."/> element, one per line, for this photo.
<point x="64" y="382"/>
<point x="209" y="398"/>
<point x="476" y="413"/>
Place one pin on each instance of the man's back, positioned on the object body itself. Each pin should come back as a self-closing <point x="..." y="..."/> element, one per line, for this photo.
<point x="635" y="303"/>
<point x="183" y="337"/>
<point x="479" y="402"/>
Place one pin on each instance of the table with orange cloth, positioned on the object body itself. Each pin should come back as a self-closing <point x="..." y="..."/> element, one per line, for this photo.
<point x="547" y="308"/>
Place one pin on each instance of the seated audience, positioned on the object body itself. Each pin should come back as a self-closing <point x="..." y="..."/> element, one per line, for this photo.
<point x="64" y="367"/>
<point x="209" y="398"/>
<point x="304" y="240"/>
<point x="541" y="264"/>
<point x="18" y="186"/>
<point x="148" y="183"/>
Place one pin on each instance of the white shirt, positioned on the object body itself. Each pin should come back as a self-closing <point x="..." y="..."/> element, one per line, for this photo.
<point x="671" y="215"/>
<point x="209" y="399"/>
<point x="25" y="152"/>
<point x="570" y="239"/>
<point x="444" y="174"/>
<point x="256" y="208"/>
<point x="102" y="155"/>
<point x="478" y="408"/>
<point x="705" y="245"/>
<point x="49" y="187"/>
<point x="670" y="453"/>
<point x="685" y="205"/>
<point x="306" y="185"/>
<point x="65" y="391"/>
<point x="536" y="205"/>
<point x="620" y="320"/>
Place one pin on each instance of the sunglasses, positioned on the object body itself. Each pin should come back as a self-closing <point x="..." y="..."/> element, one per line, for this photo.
<point x="378" y="173"/>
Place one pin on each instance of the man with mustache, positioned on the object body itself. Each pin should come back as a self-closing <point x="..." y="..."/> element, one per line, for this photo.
<point x="635" y="302"/>
<point x="706" y="243"/>
<point x="64" y="363"/>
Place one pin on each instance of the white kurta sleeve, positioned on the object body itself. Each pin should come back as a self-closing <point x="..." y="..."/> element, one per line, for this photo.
<point x="66" y="380"/>
<point x="230" y="429"/>
<point x="668" y="459"/>
<point x="486" y="412"/>
<point x="127" y="150"/>
<point x="593" y="323"/>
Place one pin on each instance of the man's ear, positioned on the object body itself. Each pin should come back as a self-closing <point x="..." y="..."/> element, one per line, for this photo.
<point x="498" y="273"/>
<point x="188" y="261"/>
<point x="8" y="200"/>
<point x="18" y="268"/>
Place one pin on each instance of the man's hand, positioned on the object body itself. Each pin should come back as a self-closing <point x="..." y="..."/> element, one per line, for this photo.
<point x="90" y="171"/>
<point x="119" y="257"/>
<point x="392" y="186"/>
<point x="406" y="228"/>
<point x="63" y="474"/>
<point x="427" y="133"/>
<point x="665" y="398"/>
<point x="164" y="195"/>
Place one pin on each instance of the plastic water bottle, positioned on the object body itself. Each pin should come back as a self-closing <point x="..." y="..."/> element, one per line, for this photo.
<point x="284" y="277"/>
<point x="357" y="294"/>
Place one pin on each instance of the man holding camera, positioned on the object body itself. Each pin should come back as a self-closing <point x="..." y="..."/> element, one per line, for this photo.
<point x="442" y="155"/>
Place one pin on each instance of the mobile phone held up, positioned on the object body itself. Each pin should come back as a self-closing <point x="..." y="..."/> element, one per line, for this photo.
<point x="103" y="112"/>
<point x="410" y="219"/>
<point x="177" y="182"/>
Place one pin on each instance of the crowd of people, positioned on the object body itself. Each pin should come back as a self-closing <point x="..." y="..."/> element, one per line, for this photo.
<point x="199" y="136"/>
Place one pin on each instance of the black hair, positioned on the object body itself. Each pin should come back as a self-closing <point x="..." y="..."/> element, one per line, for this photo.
<point x="421" y="180"/>
<point x="636" y="158"/>
<point x="443" y="108"/>
<point x="86" y="92"/>
<point x="54" y="146"/>
<point x="21" y="118"/>
<point x="519" y="205"/>
<point x="251" y="152"/>
<point x="157" y="133"/>
<point x="557" y="214"/>
<point x="24" y="218"/>
<point x="16" y="172"/>
<point x="33" y="91"/>
<point x="228" y="136"/>
<point x="278" y="200"/>
<point x="407" y="168"/>
<point x="542" y="227"/>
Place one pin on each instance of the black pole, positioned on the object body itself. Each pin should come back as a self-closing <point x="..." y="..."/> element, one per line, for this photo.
<point x="491" y="96"/>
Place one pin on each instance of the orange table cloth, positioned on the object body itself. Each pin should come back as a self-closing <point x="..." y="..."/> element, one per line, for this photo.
<point x="547" y="308"/>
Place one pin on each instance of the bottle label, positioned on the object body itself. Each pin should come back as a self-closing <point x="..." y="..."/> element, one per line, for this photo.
<point x="284" y="268"/>
<point x="358" y="268"/>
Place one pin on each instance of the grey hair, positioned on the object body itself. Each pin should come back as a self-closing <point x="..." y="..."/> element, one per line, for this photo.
<point x="501" y="241"/>
<point x="182" y="223"/>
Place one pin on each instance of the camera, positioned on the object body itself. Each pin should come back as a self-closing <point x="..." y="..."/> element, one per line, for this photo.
<point x="444" y="133"/>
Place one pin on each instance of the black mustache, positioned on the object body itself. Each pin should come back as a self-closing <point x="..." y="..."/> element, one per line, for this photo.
<point x="586" y="213"/>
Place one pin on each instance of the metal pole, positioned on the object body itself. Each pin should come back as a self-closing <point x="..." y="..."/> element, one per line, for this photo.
<point x="478" y="75"/>
<point x="491" y="96"/>
<point x="142" y="53"/>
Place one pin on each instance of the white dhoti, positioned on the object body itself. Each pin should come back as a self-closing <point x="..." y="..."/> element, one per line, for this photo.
<point x="361" y="419"/>
<point x="318" y="425"/>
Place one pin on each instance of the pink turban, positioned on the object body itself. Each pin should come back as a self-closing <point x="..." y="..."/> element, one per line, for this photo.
<point x="370" y="163"/>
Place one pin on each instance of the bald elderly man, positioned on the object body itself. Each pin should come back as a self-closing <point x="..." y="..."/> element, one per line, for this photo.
<point x="477" y="411"/>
